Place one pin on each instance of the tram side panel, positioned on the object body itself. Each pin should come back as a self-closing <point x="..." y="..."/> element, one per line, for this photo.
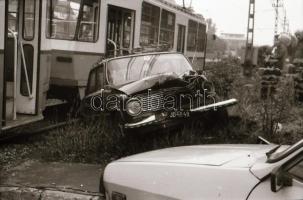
<point x="44" y="79"/>
<point x="69" y="56"/>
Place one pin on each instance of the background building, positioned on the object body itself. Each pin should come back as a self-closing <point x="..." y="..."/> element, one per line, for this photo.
<point x="234" y="43"/>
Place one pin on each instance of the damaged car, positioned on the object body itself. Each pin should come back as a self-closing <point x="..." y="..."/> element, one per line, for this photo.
<point x="251" y="172"/>
<point x="149" y="90"/>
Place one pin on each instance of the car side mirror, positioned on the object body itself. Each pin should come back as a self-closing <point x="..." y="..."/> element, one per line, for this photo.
<point x="280" y="179"/>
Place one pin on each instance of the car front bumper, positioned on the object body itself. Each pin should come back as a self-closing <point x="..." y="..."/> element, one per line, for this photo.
<point x="152" y="120"/>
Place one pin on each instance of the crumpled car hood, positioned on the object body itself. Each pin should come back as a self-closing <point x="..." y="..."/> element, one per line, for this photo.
<point x="213" y="155"/>
<point x="152" y="82"/>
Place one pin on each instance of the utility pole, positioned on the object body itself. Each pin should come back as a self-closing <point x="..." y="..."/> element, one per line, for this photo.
<point x="249" y="51"/>
<point x="285" y="23"/>
<point x="277" y="4"/>
<point x="190" y="4"/>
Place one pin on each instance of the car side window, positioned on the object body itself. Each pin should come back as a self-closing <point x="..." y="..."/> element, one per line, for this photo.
<point x="100" y="77"/>
<point x="91" y="86"/>
<point x="297" y="170"/>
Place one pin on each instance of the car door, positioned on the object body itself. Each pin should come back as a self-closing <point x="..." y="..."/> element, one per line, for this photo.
<point x="92" y="104"/>
<point x="293" y="171"/>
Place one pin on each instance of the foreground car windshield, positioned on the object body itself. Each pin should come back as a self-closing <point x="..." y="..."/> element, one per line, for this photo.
<point x="125" y="70"/>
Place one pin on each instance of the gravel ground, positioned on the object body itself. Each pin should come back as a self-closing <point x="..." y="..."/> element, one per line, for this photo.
<point x="14" y="153"/>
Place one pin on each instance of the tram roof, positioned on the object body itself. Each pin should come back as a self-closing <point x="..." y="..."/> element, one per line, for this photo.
<point x="180" y="8"/>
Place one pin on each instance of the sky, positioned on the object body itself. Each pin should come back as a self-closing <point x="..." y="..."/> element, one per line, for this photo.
<point x="231" y="16"/>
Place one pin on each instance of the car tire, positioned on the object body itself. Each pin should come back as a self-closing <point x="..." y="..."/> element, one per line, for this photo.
<point x="116" y="122"/>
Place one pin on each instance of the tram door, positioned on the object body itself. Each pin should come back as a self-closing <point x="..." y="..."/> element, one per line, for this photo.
<point x="23" y="50"/>
<point x="120" y="30"/>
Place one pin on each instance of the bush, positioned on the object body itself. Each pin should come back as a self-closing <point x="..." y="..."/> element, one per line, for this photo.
<point x="258" y="117"/>
<point x="223" y="74"/>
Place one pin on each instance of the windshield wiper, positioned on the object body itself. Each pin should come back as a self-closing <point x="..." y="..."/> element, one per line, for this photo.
<point x="268" y="154"/>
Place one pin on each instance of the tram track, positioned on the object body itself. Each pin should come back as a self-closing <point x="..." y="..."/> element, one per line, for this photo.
<point x="55" y="118"/>
<point x="9" y="136"/>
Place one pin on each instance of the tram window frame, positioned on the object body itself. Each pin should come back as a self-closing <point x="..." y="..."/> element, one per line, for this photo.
<point x="152" y="14"/>
<point x="13" y="21"/>
<point x="167" y="27"/>
<point x="79" y="20"/>
<point x="201" y="37"/>
<point x="24" y="26"/>
<point x="192" y="35"/>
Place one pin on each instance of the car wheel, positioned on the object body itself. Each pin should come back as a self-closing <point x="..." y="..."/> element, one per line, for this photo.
<point x="116" y="122"/>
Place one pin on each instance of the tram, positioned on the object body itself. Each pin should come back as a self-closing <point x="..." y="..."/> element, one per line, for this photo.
<point x="48" y="47"/>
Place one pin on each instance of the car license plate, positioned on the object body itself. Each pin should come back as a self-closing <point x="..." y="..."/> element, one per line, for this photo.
<point x="179" y="114"/>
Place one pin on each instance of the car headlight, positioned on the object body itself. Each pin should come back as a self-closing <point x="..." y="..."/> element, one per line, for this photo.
<point x="134" y="107"/>
<point x="118" y="196"/>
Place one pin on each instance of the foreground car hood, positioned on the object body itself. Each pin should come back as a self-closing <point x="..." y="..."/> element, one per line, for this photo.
<point x="192" y="172"/>
<point x="214" y="155"/>
<point x="160" y="81"/>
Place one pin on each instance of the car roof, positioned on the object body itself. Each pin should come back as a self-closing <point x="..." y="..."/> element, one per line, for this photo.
<point x="133" y="55"/>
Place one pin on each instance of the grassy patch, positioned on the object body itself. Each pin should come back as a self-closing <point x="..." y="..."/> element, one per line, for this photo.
<point x="98" y="142"/>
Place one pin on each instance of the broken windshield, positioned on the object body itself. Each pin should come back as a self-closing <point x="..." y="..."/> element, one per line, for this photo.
<point x="129" y="69"/>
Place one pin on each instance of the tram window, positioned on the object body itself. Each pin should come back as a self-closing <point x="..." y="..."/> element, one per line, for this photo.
<point x="88" y="25"/>
<point x="167" y="30"/>
<point x="73" y="19"/>
<point x="127" y="29"/>
<point x="63" y="18"/>
<point x="201" y="38"/>
<point x="192" y="35"/>
<point x="29" y="19"/>
<point x="13" y="15"/>
<point x="149" y="24"/>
